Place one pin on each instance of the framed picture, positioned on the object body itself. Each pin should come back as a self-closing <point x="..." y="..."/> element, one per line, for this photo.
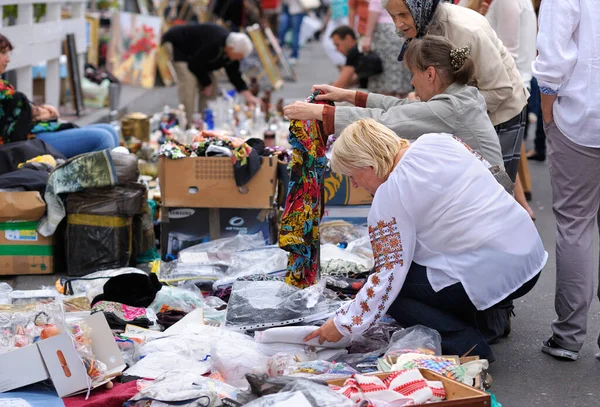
<point x="70" y="50"/>
<point x="92" y="28"/>
<point x="133" y="47"/>
<point x="143" y="7"/>
<point x="283" y="60"/>
<point x="165" y="67"/>
<point x="268" y="61"/>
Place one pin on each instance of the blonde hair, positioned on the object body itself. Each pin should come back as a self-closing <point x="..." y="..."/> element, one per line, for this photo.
<point x="366" y="143"/>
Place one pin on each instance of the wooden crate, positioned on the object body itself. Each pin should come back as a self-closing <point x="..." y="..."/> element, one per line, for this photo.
<point x="457" y="394"/>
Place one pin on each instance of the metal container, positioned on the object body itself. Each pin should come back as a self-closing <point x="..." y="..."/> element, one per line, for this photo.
<point x="136" y="125"/>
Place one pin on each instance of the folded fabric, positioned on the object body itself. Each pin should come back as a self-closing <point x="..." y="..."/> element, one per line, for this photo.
<point x="296" y="335"/>
<point x="103" y="397"/>
<point x="118" y="315"/>
<point x="397" y="387"/>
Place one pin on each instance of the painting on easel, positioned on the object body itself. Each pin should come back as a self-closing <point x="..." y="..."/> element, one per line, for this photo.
<point x="134" y="44"/>
<point x="268" y="61"/>
<point x="282" y="58"/>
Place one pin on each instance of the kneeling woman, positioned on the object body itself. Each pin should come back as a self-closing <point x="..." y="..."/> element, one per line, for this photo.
<point x="447" y="239"/>
<point x="21" y="120"/>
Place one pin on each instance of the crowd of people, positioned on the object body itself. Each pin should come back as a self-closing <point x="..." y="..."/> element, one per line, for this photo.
<point x="452" y="232"/>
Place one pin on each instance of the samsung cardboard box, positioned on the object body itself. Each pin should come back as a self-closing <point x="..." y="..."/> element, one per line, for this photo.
<point x="56" y="358"/>
<point x="181" y="228"/>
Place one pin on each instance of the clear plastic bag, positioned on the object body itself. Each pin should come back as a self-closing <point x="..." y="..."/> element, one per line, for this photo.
<point x="303" y="393"/>
<point x="178" y="387"/>
<point x="256" y="261"/>
<point x="175" y="272"/>
<point x="375" y="340"/>
<point x="338" y="231"/>
<point x="186" y="297"/>
<point x="416" y="339"/>
<point x="227" y="245"/>
<point x="265" y="304"/>
<point x="235" y="357"/>
<point x="190" y="346"/>
<point x="156" y="364"/>
<point x="5" y="290"/>
<point x="337" y="261"/>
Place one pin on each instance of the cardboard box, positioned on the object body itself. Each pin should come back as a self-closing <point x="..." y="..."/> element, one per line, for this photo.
<point x="208" y="182"/>
<point x="181" y="228"/>
<point x="24" y="251"/>
<point x="457" y="394"/>
<point x="27" y="205"/>
<point x="339" y="191"/>
<point x="56" y="358"/>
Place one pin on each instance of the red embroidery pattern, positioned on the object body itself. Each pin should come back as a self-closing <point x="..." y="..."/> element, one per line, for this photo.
<point x="387" y="245"/>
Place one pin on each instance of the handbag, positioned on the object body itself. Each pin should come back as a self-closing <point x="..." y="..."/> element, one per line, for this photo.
<point x="310" y="4"/>
<point x="369" y="64"/>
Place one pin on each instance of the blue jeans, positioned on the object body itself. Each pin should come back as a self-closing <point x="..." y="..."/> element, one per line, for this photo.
<point x="73" y="142"/>
<point x="448" y="311"/>
<point x="295" y="21"/>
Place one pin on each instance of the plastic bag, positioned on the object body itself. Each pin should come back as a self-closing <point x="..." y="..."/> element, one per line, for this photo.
<point x="175" y="272"/>
<point x="320" y="369"/>
<point x="156" y="364"/>
<point x="190" y="346"/>
<point x="375" y="340"/>
<point x="265" y="304"/>
<point x="338" y="231"/>
<point x="186" y="298"/>
<point x="5" y="290"/>
<point x="263" y="385"/>
<point x="416" y="339"/>
<point x="235" y="357"/>
<point x="337" y="261"/>
<point x="303" y="393"/>
<point x="178" y="387"/>
<point x="256" y="261"/>
<point x="130" y="350"/>
<point x="81" y="334"/>
<point x="116" y="200"/>
<point x="226" y="245"/>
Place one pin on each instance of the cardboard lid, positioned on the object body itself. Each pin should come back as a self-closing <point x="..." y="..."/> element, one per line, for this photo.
<point x="26" y="206"/>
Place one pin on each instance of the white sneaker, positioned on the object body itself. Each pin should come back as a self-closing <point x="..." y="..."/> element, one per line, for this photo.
<point x="293" y="61"/>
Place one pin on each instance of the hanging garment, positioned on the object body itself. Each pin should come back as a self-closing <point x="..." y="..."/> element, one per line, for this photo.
<point x="299" y="232"/>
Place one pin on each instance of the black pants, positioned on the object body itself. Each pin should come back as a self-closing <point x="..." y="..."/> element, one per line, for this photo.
<point x="449" y="311"/>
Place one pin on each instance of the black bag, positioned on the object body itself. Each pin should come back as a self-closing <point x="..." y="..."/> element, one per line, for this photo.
<point x="369" y="64"/>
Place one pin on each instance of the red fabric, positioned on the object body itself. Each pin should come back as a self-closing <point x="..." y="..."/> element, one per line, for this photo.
<point x="269" y="4"/>
<point x="103" y="397"/>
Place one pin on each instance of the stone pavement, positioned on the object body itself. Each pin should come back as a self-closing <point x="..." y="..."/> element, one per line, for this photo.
<point x="523" y="376"/>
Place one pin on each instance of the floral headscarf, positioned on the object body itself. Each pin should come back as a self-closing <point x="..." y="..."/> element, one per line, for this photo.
<point x="422" y="12"/>
<point x="15" y="114"/>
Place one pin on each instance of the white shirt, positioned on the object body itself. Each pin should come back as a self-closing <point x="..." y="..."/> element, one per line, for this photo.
<point x="516" y="25"/>
<point x="569" y="64"/>
<point x="442" y="208"/>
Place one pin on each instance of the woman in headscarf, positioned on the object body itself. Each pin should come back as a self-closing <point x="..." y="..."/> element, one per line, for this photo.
<point x="496" y="74"/>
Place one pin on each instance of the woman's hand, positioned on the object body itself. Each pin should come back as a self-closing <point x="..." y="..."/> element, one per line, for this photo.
<point x="334" y="94"/>
<point x="41" y="113"/>
<point x="328" y="332"/>
<point x="366" y="44"/>
<point x="303" y="111"/>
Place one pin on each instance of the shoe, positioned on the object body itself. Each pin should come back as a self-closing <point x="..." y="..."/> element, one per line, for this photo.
<point x="293" y="61"/>
<point x="553" y="349"/>
<point x="535" y="156"/>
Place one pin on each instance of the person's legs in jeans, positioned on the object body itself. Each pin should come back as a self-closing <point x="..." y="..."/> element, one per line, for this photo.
<point x="74" y="142"/>
<point x="296" y="25"/>
<point x="284" y="25"/>
<point x="510" y="135"/>
<point x="109" y="128"/>
<point x="574" y="174"/>
<point x="449" y="311"/>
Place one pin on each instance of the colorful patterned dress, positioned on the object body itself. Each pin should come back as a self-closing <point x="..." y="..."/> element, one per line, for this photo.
<point x="299" y="231"/>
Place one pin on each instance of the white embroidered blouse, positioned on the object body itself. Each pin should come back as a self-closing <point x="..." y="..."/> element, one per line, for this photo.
<point x="442" y="208"/>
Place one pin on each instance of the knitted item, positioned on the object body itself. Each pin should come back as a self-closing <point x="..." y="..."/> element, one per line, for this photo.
<point x="407" y="386"/>
<point x="443" y="366"/>
<point x="299" y="231"/>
